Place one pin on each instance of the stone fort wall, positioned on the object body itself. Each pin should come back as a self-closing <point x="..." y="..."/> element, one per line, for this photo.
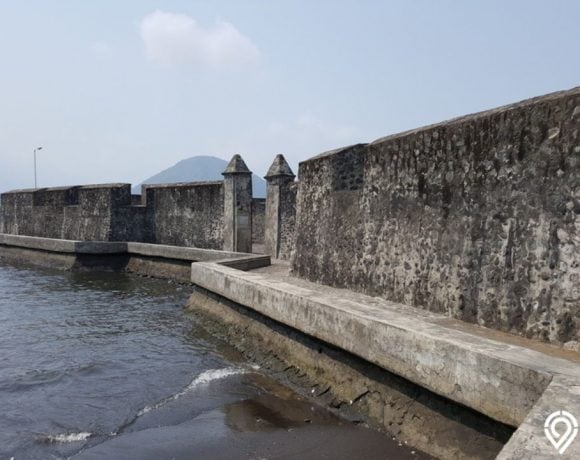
<point x="209" y="215"/>
<point x="82" y="212"/>
<point x="188" y="214"/>
<point x="177" y="214"/>
<point x="477" y="218"/>
<point x="258" y="219"/>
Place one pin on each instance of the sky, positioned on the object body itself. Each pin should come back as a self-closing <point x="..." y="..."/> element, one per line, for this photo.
<point x="115" y="91"/>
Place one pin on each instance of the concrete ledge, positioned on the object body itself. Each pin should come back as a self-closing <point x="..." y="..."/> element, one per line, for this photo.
<point x="148" y="254"/>
<point x="16" y="255"/>
<point x="143" y="249"/>
<point x="499" y="379"/>
<point x="246" y="263"/>
<point x="181" y="253"/>
<point x="529" y="441"/>
<point x="63" y="246"/>
<point x="238" y="260"/>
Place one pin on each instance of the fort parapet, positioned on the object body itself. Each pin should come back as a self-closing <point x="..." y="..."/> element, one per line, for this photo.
<point x="189" y="214"/>
<point x="186" y="214"/>
<point x="475" y="218"/>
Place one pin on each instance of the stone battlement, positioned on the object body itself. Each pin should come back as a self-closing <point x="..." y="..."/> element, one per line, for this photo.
<point x="476" y="218"/>
<point x="184" y="214"/>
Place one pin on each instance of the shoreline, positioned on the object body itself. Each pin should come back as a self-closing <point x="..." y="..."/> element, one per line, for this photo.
<point x="431" y="379"/>
<point x="349" y="386"/>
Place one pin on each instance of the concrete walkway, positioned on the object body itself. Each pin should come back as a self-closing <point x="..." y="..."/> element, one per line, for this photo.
<point x="510" y="379"/>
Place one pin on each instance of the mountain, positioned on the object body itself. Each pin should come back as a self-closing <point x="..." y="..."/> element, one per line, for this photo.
<point x="199" y="168"/>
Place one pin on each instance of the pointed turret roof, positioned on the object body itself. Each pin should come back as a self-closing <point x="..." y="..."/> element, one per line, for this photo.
<point x="236" y="166"/>
<point x="280" y="167"/>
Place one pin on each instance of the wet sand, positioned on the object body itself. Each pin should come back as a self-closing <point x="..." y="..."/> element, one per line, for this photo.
<point x="265" y="421"/>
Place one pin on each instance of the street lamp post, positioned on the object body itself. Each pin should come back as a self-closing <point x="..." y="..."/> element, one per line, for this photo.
<point x="35" y="150"/>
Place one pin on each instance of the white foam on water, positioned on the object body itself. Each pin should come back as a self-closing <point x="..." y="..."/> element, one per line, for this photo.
<point x="202" y="379"/>
<point x="70" y="437"/>
<point x="148" y="409"/>
<point x="209" y="376"/>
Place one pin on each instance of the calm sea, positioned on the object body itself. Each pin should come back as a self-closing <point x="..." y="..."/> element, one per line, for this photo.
<point x="106" y="365"/>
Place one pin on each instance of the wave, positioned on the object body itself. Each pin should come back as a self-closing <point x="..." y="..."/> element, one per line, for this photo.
<point x="35" y="377"/>
<point x="202" y="379"/>
<point x="30" y="379"/>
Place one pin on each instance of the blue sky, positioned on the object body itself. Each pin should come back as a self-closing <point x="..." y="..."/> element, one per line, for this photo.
<point x="117" y="90"/>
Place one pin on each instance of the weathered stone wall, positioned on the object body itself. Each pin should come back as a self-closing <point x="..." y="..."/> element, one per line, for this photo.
<point x="177" y="214"/>
<point x="258" y="218"/>
<point x="185" y="214"/>
<point x="16" y="212"/>
<point x="477" y="218"/>
<point x="80" y="213"/>
<point x="211" y="215"/>
<point x="280" y="209"/>
<point x="92" y="219"/>
<point x="237" y="206"/>
<point x="287" y="220"/>
<point x="47" y="215"/>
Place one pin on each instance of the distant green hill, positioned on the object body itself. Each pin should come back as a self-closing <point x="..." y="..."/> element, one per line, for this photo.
<point x="199" y="168"/>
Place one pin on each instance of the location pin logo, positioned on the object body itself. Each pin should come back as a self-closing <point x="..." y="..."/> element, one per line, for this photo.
<point x="561" y="429"/>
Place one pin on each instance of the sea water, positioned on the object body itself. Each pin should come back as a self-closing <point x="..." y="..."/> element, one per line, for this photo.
<point x="108" y="365"/>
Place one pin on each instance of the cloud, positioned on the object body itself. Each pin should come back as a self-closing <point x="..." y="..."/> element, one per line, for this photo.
<point x="177" y="40"/>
